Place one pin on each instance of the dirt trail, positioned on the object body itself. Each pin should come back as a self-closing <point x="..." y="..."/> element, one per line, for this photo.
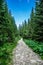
<point x="22" y="55"/>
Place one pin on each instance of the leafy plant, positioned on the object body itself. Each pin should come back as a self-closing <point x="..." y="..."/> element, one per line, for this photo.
<point x="36" y="46"/>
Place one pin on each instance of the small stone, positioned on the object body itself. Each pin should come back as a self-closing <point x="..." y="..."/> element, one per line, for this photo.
<point x="23" y="55"/>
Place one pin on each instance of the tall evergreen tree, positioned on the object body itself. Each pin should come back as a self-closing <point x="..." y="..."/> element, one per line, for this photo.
<point x="39" y="20"/>
<point x="7" y="24"/>
<point x="2" y="21"/>
<point x="31" y="25"/>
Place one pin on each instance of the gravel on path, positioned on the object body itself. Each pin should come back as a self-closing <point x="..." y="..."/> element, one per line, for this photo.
<point x="23" y="55"/>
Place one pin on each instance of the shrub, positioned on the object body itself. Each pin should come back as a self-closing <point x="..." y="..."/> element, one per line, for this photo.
<point x="36" y="46"/>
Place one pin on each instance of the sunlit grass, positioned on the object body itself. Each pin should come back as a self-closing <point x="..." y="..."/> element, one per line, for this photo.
<point x="6" y="52"/>
<point x="36" y="46"/>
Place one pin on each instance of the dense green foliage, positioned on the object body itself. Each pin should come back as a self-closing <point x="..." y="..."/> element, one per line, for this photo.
<point x="5" y="53"/>
<point x="36" y="46"/>
<point x="33" y="29"/>
<point x="7" y="24"/>
<point x="8" y="34"/>
<point x="39" y="20"/>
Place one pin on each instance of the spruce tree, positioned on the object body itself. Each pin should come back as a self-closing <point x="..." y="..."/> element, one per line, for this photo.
<point x="8" y="27"/>
<point x="31" y="25"/>
<point x="2" y="21"/>
<point x="39" y="20"/>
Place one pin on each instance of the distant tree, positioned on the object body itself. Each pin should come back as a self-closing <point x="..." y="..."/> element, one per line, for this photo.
<point x="23" y="29"/>
<point x="34" y="28"/>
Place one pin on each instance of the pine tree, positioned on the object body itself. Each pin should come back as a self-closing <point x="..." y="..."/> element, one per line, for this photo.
<point x="2" y="21"/>
<point x="23" y="29"/>
<point x="8" y="27"/>
<point x="20" y="30"/>
<point x="39" y="20"/>
<point x="31" y="25"/>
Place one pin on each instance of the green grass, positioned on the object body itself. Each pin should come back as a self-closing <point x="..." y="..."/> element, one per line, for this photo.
<point x="36" y="46"/>
<point x="6" y="52"/>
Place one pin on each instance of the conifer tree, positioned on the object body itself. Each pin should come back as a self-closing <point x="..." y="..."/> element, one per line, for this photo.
<point x="39" y="20"/>
<point x="31" y="25"/>
<point x="8" y="27"/>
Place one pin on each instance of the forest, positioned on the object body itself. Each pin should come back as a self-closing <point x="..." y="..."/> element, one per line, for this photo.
<point x="31" y="31"/>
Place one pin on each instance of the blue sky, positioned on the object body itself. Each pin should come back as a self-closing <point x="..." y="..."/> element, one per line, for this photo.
<point x="20" y="9"/>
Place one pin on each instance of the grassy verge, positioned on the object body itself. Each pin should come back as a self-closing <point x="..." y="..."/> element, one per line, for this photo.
<point x="6" y="52"/>
<point x="36" y="46"/>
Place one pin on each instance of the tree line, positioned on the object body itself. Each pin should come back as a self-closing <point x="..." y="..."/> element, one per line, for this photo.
<point x="8" y="26"/>
<point x="8" y="34"/>
<point x="33" y="29"/>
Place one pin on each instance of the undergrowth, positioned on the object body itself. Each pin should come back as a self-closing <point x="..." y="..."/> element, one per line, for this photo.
<point x="6" y="52"/>
<point x="36" y="46"/>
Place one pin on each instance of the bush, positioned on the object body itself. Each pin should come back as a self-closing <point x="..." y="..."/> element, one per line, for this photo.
<point x="36" y="46"/>
<point x="6" y="53"/>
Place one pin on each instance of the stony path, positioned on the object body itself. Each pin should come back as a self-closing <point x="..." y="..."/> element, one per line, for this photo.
<point x="23" y="55"/>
